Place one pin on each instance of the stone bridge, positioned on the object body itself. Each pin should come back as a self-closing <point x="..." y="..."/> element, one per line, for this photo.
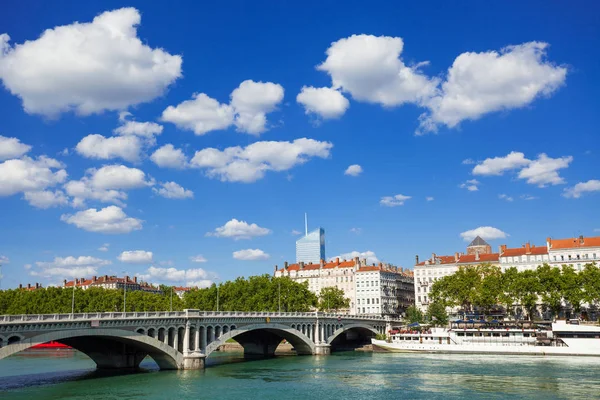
<point x="183" y="339"/>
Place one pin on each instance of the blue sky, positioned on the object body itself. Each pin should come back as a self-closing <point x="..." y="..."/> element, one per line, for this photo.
<point x="209" y="129"/>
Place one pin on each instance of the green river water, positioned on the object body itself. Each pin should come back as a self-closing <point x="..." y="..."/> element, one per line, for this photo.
<point x="68" y="374"/>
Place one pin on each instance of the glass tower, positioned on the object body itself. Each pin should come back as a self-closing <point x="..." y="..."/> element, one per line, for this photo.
<point x="311" y="248"/>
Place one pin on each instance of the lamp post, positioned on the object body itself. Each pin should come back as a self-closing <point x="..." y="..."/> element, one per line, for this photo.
<point x="217" y="297"/>
<point x="171" y="298"/>
<point x="279" y="290"/>
<point x="73" y="299"/>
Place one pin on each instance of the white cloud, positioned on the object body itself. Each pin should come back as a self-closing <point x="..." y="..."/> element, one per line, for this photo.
<point x="104" y="247"/>
<point x="505" y="197"/>
<point x="110" y="219"/>
<point x="46" y="198"/>
<point x="143" y="129"/>
<point x="4" y="260"/>
<point x="325" y="102"/>
<point x="480" y="83"/>
<point x="356" y="230"/>
<point x="30" y="175"/>
<point x="528" y="197"/>
<point x="371" y="70"/>
<point x="249" y="164"/>
<point x="168" y="156"/>
<point x="175" y="275"/>
<point x="353" y="170"/>
<point x="250" y="103"/>
<point x="485" y="232"/>
<point x="198" y="259"/>
<point x="544" y="170"/>
<point x="68" y="267"/>
<point x="295" y="232"/>
<point x="394" y="201"/>
<point x="12" y="148"/>
<point x="468" y="161"/>
<point x="202" y="283"/>
<point x="499" y="165"/>
<point x="135" y="257"/>
<point x="106" y="184"/>
<point x="172" y="190"/>
<point x="593" y="185"/>
<point x="71" y="261"/>
<point x="74" y="272"/>
<point x="26" y="266"/>
<point x="369" y="255"/>
<point x="429" y="198"/>
<point x="105" y="148"/>
<point x="470" y="185"/>
<point x="250" y="255"/>
<point x="87" y="67"/>
<point x="239" y="230"/>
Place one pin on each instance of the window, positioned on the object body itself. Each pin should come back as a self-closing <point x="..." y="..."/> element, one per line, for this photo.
<point x="569" y="256"/>
<point x="578" y="257"/>
<point x="377" y="301"/>
<point x="368" y="301"/>
<point x="419" y="299"/>
<point x="562" y="258"/>
<point x="594" y="255"/>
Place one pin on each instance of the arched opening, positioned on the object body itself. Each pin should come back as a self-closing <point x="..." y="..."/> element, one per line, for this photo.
<point x="351" y="337"/>
<point x="180" y="338"/>
<point x="152" y="332"/>
<point x="225" y="329"/>
<point x="141" y="331"/>
<point x="217" y="332"/>
<point x="210" y="335"/>
<point x="192" y="339"/>
<point x="108" y="348"/>
<point x="171" y="338"/>
<point x="161" y="334"/>
<point x="262" y="340"/>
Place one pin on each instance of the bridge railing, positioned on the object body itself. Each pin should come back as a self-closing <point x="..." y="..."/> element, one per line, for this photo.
<point x="188" y="313"/>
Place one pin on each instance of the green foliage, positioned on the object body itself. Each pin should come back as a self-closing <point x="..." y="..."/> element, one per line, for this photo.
<point x="436" y="313"/>
<point x="413" y="314"/>
<point x="332" y="298"/>
<point x="381" y="336"/>
<point x="257" y="293"/>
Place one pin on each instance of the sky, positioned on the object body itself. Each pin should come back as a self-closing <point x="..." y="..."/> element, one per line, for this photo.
<point x="183" y="144"/>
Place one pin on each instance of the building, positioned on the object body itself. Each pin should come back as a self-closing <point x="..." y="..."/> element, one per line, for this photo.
<point x="112" y="282"/>
<point x="527" y="257"/>
<point x="31" y="287"/>
<point x="180" y="291"/>
<point x="478" y="245"/>
<point x="372" y="289"/>
<point x="575" y="252"/>
<point x="311" y="247"/>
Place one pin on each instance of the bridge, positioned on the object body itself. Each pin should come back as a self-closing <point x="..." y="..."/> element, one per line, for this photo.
<point x="183" y="339"/>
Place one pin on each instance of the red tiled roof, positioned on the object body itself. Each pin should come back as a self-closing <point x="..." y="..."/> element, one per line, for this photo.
<point x="521" y="251"/>
<point x="182" y="289"/>
<point x="464" y="259"/>
<point x="574" y="243"/>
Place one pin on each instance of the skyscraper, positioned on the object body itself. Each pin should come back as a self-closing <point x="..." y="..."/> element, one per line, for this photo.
<point x="311" y="247"/>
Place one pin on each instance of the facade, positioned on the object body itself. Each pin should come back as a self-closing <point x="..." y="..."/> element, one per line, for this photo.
<point x="31" y="287"/>
<point x="311" y="247"/>
<point x="527" y="257"/>
<point x="575" y="252"/>
<point x="112" y="282"/>
<point x="375" y="290"/>
<point x="180" y="291"/>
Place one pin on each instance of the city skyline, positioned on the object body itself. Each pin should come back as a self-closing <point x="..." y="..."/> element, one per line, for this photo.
<point x="187" y="162"/>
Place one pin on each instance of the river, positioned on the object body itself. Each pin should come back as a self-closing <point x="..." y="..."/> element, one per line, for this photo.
<point x="68" y="374"/>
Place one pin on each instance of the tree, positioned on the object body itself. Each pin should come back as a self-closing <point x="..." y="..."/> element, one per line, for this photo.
<point x="488" y="287"/>
<point x="550" y="287"/>
<point x="436" y="313"/>
<point x="332" y="298"/>
<point x="413" y="314"/>
<point x="571" y="287"/>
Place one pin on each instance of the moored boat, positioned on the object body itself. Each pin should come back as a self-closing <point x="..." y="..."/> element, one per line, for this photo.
<point x="51" y="345"/>
<point x="473" y="337"/>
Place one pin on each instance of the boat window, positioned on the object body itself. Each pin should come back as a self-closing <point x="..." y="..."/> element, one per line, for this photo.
<point x="470" y="334"/>
<point x="505" y="334"/>
<point x="525" y="334"/>
<point x="460" y="334"/>
<point x="496" y="334"/>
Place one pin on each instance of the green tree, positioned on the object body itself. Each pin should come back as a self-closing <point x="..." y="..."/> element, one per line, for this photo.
<point x="571" y="287"/>
<point x="436" y="313"/>
<point x="550" y="287"/>
<point x="413" y="314"/>
<point x="332" y="298"/>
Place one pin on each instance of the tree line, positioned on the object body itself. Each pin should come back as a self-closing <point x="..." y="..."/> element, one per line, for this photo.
<point x="486" y="287"/>
<point x="255" y="293"/>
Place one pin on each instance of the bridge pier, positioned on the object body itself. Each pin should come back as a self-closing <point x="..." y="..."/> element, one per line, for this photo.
<point x="322" y="349"/>
<point x="194" y="360"/>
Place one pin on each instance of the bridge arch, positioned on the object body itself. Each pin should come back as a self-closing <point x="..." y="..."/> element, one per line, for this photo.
<point x="263" y="339"/>
<point x="351" y="336"/>
<point x="107" y="347"/>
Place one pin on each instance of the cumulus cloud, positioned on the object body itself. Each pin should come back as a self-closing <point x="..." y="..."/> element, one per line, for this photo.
<point x="4" y="260"/>
<point x="370" y="69"/>
<point x="198" y="259"/>
<point x="250" y="163"/>
<point x="192" y="277"/>
<point x="168" y="156"/>
<point x="98" y="147"/>
<point x="429" y="198"/>
<point x="239" y="230"/>
<point x="394" y="201"/>
<point x="107" y="184"/>
<point x="104" y="247"/>
<point x="356" y="231"/>
<point x="69" y="267"/>
<point x="12" y="148"/>
<point x="87" y="67"/>
<point x="544" y="170"/>
<point x="470" y="185"/>
<point x="172" y="190"/>
<point x="46" y="198"/>
<point x="143" y="129"/>
<point x="499" y="165"/>
<point x="468" y="161"/>
<point x="369" y="255"/>
<point x="110" y="219"/>
<point x="481" y="83"/>
<point x="136" y="257"/>
<point x="248" y="108"/>
<point x="505" y="197"/>
<point x="485" y="232"/>
<point x="353" y="170"/>
<point x="324" y="102"/>
<point x="30" y="175"/>
<point x="593" y="185"/>
<point x="295" y="232"/>
<point x="250" y="255"/>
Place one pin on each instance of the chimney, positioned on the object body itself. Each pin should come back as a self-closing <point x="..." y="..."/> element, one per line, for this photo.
<point x="321" y="263"/>
<point x="301" y="264"/>
<point x="356" y="260"/>
<point x="580" y="239"/>
<point x="29" y="286"/>
<point x="105" y="278"/>
<point x="549" y="243"/>
<point x="135" y="279"/>
<point x="94" y="278"/>
<point x="65" y="282"/>
<point x="126" y="278"/>
<point x="285" y="265"/>
<point x="476" y="255"/>
<point x="275" y="269"/>
<point x="37" y="285"/>
<point x="20" y="286"/>
<point x="502" y="249"/>
<point x="527" y="248"/>
<point x="456" y="257"/>
<point x="364" y="262"/>
<point x="82" y="280"/>
<point x="416" y="259"/>
<point x="337" y="261"/>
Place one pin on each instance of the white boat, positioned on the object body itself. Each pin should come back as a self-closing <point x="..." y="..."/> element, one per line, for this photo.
<point x="562" y="338"/>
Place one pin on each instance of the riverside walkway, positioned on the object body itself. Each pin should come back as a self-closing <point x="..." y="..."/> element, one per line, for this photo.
<point x="183" y="339"/>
